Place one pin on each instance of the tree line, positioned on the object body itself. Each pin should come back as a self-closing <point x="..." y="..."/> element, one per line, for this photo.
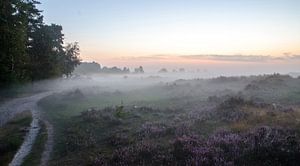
<point x="31" y="50"/>
<point x="94" y="67"/>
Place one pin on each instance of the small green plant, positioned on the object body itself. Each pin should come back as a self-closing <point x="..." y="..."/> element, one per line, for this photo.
<point x="119" y="111"/>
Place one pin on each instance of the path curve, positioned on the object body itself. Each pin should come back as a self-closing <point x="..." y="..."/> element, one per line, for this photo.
<point x="9" y="109"/>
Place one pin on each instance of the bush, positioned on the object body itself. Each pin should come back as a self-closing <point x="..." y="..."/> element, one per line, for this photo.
<point x="142" y="153"/>
<point x="261" y="146"/>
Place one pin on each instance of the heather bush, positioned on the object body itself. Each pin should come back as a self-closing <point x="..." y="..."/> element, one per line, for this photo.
<point x="271" y="146"/>
<point x="76" y="139"/>
<point x="229" y="109"/>
<point x="182" y="129"/>
<point x="175" y="141"/>
<point x="183" y="148"/>
<point x="261" y="146"/>
<point x="153" y="130"/>
<point x="142" y="153"/>
<point x="105" y="115"/>
<point x="118" y="139"/>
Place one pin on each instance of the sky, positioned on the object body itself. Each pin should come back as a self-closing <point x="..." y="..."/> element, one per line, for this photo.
<point x="182" y="33"/>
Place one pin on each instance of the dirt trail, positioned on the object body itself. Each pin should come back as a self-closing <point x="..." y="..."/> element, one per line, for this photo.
<point x="9" y="109"/>
<point x="26" y="146"/>
<point x="48" y="145"/>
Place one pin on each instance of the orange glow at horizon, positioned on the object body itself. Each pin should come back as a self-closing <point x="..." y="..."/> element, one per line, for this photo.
<point x="132" y="58"/>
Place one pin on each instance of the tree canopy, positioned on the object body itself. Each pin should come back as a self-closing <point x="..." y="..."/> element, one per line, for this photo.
<point x="29" y="49"/>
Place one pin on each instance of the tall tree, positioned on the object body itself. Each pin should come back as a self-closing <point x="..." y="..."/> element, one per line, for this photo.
<point x="71" y="59"/>
<point x="13" y="38"/>
<point x="49" y="58"/>
<point x="29" y="49"/>
<point x="46" y="52"/>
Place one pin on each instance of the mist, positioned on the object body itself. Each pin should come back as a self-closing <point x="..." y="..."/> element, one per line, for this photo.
<point x="149" y="83"/>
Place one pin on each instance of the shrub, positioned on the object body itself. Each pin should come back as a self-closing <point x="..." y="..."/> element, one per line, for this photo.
<point x="142" y="153"/>
<point x="261" y="146"/>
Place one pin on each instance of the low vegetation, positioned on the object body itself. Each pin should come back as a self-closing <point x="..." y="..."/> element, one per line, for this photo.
<point x="217" y="121"/>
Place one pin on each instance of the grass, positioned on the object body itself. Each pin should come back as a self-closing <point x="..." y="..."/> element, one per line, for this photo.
<point x="80" y="140"/>
<point x="34" y="157"/>
<point x="12" y="135"/>
<point x="267" y="117"/>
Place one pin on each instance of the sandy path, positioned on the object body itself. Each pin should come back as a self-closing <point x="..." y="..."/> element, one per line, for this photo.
<point x="48" y="145"/>
<point x="9" y="109"/>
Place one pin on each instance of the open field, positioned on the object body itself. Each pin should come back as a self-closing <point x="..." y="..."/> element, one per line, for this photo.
<point x="220" y="121"/>
<point x="149" y="83"/>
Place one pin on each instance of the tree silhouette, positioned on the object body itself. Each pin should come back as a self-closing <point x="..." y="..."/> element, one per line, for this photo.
<point x="29" y="49"/>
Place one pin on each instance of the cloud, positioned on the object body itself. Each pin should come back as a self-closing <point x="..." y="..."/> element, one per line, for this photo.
<point x="216" y="57"/>
<point x="240" y="58"/>
<point x="294" y="57"/>
<point x="149" y="57"/>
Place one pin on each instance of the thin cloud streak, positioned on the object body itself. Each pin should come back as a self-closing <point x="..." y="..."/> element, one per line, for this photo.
<point x="215" y="57"/>
<point x="240" y="58"/>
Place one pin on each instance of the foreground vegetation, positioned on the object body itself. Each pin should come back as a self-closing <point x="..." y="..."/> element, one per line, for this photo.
<point x="222" y="121"/>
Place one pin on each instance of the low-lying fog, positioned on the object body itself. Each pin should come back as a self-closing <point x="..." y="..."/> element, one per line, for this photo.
<point x="121" y="82"/>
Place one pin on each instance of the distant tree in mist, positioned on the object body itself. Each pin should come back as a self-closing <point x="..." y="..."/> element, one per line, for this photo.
<point x="94" y="67"/>
<point x="29" y="49"/>
<point x="114" y="70"/>
<point x="126" y="70"/>
<point x="139" y="70"/>
<point x="163" y="70"/>
<point x="71" y="59"/>
<point x="87" y="67"/>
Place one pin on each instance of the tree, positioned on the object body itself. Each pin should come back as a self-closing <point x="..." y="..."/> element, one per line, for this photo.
<point x="139" y="70"/>
<point x="71" y="59"/>
<point x="163" y="70"/>
<point x="126" y="70"/>
<point x="181" y="70"/>
<point x="46" y="52"/>
<point x="29" y="49"/>
<point x="49" y="58"/>
<point x="12" y="42"/>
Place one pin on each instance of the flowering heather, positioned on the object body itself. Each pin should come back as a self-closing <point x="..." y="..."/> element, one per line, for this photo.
<point x="149" y="139"/>
<point x="261" y="146"/>
<point x="229" y="110"/>
<point x="142" y="153"/>
<point x="153" y="130"/>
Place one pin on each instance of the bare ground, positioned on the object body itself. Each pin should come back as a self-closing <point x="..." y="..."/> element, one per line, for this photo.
<point x="9" y="109"/>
